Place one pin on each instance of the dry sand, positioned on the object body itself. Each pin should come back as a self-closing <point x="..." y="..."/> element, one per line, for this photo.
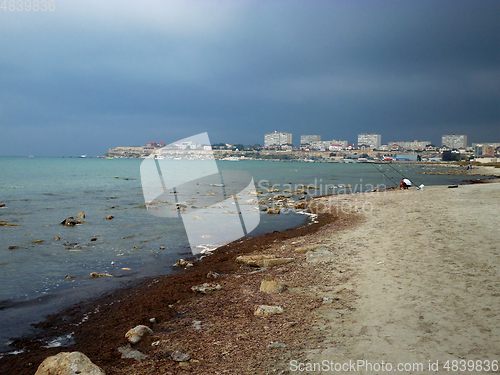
<point x="426" y="272"/>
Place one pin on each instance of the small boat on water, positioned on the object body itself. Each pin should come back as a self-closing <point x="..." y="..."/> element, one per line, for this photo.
<point x="83" y="156"/>
<point x="159" y="157"/>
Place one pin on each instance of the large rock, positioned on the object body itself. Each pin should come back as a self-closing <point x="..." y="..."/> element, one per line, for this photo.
<point x="265" y="310"/>
<point x="66" y="363"/>
<point x="136" y="334"/>
<point x="206" y="288"/>
<point x="262" y="260"/>
<point x="183" y="263"/>
<point x="95" y="275"/>
<point x="300" y="206"/>
<point x="71" y="222"/>
<point x="270" y="285"/>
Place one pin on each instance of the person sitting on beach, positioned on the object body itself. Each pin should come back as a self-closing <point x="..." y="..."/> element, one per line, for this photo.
<point x="405" y="184"/>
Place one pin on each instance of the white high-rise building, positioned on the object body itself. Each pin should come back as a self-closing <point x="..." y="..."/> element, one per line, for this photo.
<point x="309" y="139"/>
<point x="454" y="141"/>
<point x="277" y="139"/>
<point x="371" y="139"/>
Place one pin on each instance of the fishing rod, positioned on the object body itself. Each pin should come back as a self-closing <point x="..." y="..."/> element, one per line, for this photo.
<point x="401" y="174"/>
<point x="395" y="183"/>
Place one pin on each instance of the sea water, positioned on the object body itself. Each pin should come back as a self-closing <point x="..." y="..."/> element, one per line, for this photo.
<point x="38" y="278"/>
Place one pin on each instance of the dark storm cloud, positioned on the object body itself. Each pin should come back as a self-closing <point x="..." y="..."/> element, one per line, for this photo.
<point x="102" y="75"/>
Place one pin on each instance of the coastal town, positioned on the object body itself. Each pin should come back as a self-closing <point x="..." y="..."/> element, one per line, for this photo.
<point x="279" y="146"/>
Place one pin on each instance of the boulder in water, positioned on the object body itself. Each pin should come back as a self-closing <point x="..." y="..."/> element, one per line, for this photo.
<point x="71" y="222"/>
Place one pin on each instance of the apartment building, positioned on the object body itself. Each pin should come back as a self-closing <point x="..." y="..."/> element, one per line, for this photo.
<point x="370" y="139"/>
<point x="277" y="139"/>
<point x="454" y="141"/>
<point x="309" y="139"/>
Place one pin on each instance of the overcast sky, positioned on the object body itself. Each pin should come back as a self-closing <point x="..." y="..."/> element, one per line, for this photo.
<point x="93" y="75"/>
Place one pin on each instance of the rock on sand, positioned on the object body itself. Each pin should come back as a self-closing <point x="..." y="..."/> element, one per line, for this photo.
<point x="270" y="285"/>
<point x="262" y="260"/>
<point x="264" y="310"/>
<point x="66" y="363"/>
<point x="135" y="334"/>
<point x="206" y="288"/>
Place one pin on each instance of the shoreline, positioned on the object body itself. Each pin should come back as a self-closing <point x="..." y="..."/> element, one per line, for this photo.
<point x="101" y="345"/>
<point x="103" y="332"/>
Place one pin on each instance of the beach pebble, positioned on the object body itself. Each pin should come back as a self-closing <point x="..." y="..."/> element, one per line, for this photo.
<point x="212" y="275"/>
<point x="69" y="277"/>
<point x="93" y="239"/>
<point x="179" y="356"/>
<point x="2" y="204"/>
<point x="152" y="320"/>
<point x="265" y="310"/>
<point x="128" y="352"/>
<point x="206" y="288"/>
<point x="273" y="211"/>
<point x="57" y="238"/>
<point x="135" y="334"/>
<point x="110" y="217"/>
<point x="270" y="285"/>
<point x="37" y="241"/>
<point x="162" y="247"/>
<point x="12" y="247"/>
<point x="80" y="215"/>
<point x="66" y="363"/>
<point x="277" y="345"/>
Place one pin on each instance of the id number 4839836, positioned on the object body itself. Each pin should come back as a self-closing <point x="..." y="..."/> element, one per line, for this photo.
<point x="28" y="5"/>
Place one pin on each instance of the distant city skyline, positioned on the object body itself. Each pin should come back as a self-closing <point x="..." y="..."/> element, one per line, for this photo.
<point x="93" y="75"/>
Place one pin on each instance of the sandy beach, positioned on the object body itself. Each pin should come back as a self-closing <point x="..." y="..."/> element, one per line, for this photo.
<point x="398" y="277"/>
<point x="427" y="270"/>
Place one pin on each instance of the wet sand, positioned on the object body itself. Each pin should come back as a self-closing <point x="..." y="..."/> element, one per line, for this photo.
<point x="398" y="276"/>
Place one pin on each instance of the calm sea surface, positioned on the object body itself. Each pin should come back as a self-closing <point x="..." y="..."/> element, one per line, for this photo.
<point x="39" y="193"/>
